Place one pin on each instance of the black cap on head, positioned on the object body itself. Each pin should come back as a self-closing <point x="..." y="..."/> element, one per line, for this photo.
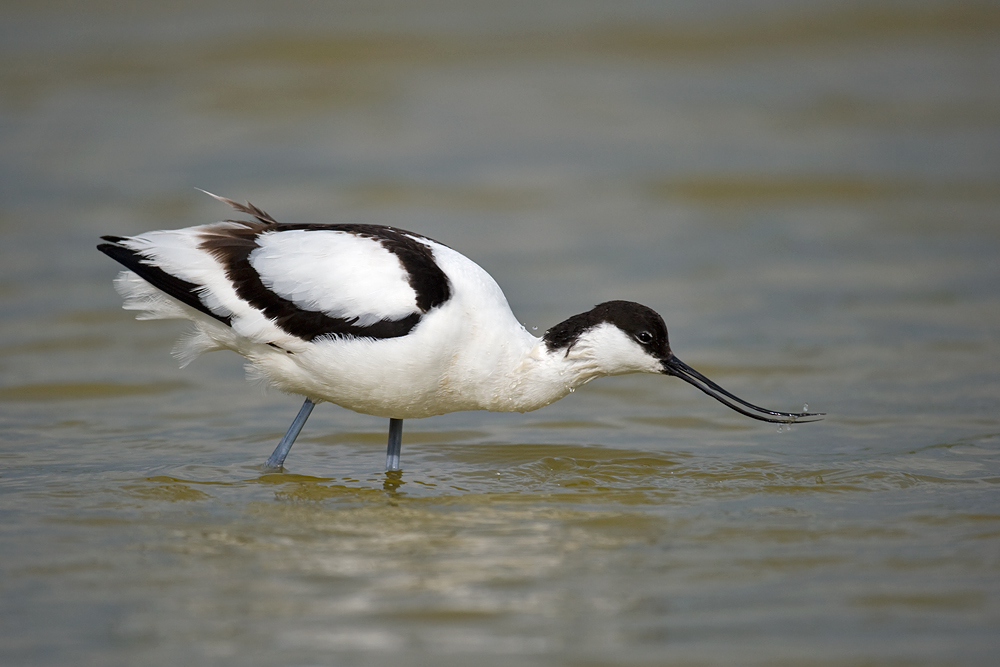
<point x="638" y="321"/>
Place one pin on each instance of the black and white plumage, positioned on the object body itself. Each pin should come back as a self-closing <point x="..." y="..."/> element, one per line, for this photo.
<point x="381" y="321"/>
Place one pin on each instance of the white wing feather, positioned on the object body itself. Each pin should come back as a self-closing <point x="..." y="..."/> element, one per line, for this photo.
<point x="336" y="273"/>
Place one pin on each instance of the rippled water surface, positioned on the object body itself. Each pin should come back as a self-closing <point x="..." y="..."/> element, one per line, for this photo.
<point x="808" y="192"/>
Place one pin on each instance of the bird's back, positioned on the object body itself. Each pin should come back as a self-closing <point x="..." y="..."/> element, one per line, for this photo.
<point x="372" y="318"/>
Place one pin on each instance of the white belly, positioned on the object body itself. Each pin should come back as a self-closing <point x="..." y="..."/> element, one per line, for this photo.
<point x="433" y="370"/>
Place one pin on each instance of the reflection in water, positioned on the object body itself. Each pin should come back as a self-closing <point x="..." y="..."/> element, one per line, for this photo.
<point x="393" y="480"/>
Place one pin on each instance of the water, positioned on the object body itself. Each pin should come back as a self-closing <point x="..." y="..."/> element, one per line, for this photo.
<point x="807" y="191"/>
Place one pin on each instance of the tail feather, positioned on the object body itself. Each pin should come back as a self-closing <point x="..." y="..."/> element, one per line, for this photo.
<point x="182" y="290"/>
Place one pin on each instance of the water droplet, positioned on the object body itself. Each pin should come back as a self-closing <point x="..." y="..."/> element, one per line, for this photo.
<point x="805" y="407"/>
<point x="781" y="428"/>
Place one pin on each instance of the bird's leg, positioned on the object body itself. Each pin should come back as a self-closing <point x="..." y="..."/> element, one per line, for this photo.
<point x="277" y="459"/>
<point x="395" y="444"/>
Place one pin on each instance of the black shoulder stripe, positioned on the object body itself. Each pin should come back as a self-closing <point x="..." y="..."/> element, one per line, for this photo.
<point x="426" y="278"/>
<point x="182" y="290"/>
<point x="232" y="247"/>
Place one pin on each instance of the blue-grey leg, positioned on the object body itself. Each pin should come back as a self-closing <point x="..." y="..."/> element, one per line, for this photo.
<point x="277" y="458"/>
<point x="395" y="444"/>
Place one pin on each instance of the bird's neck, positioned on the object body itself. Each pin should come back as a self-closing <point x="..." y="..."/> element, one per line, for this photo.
<point x="539" y="376"/>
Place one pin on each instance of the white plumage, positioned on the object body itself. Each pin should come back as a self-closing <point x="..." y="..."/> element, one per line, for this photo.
<point x="379" y="320"/>
<point x="360" y="278"/>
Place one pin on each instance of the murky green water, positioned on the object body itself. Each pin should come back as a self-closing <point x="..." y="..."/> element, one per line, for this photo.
<point x="809" y="193"/>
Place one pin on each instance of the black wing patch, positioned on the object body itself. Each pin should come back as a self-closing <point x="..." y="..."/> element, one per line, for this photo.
<point x="182" y="290"/>
<point x="233" y="245"/>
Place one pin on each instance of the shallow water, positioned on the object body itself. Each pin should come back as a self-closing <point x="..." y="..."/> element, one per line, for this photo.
<point x="809" y="193"/>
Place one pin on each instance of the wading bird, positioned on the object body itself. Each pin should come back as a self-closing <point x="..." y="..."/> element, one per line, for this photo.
<point x="381" y="321"/>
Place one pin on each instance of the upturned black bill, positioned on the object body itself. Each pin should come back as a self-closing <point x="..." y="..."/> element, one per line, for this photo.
<point x="674" y="366"/>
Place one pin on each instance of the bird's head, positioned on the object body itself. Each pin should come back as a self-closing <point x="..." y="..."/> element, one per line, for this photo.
<point x="618" y="337"/>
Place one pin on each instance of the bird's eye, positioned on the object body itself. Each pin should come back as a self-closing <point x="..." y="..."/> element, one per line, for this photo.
<point x="644" y="337"/>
